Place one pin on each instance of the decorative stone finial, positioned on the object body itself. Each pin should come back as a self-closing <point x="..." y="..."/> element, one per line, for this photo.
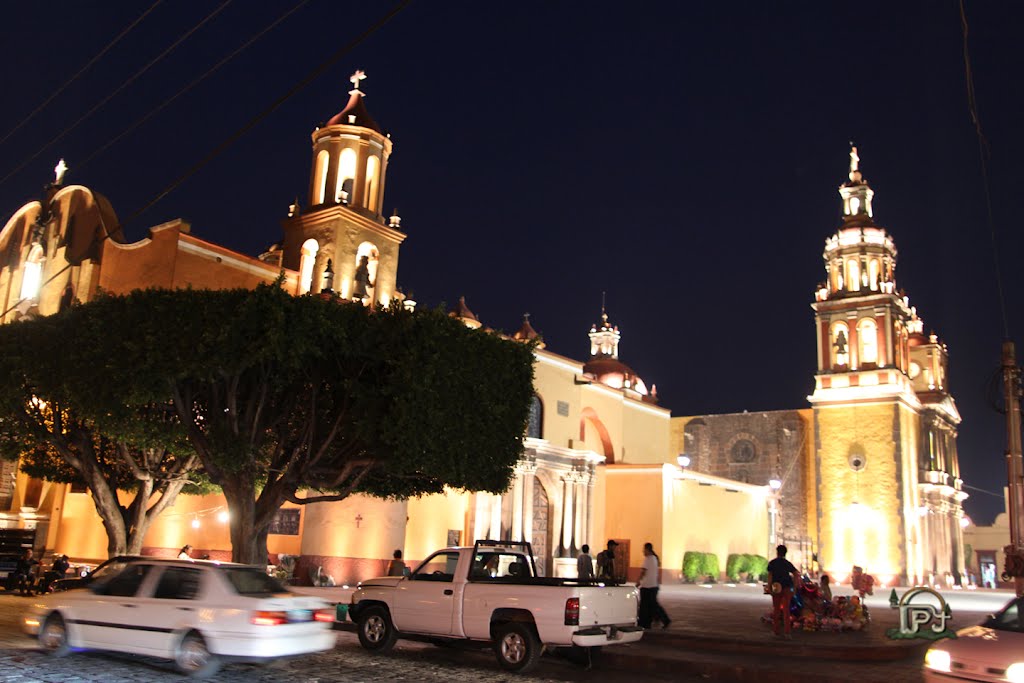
<point x="395" y="221"/>
<point x="354" y="79"/>
<point x="58" y="171"/>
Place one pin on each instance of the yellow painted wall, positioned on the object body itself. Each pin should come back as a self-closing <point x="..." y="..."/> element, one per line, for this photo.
<point x="430" y="518"/>
<point x="633" y="507"/>
<point x="711" y="519"/>
<point x="646" y="437"/>
<point x="554" y="383"/>
<point x="869" y="533"/>
<point x="810" y="476"/>
<point x="331" y="529"/>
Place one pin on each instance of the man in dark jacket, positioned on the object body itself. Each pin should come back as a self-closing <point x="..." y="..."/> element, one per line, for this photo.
<point x="606" y="562"/>
<point x="783" y="577"/>
<point x="24" y="573"/>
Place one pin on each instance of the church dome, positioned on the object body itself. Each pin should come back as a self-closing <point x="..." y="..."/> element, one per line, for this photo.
<point x="613" y="373"/>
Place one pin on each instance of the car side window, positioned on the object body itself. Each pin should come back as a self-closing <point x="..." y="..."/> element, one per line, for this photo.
<point x="439" y="567"/>
<point x="125" y="584"/>
<point x="178" y="583"/>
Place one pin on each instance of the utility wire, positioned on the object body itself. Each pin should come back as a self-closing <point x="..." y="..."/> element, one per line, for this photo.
<point x="219" y="149"/>
<point x="117" y="90"/>
<point x="164" y="104"/>
<point x="983" y="154"/>
<point x="975" y="488"/>
<point x="81" y="71"/>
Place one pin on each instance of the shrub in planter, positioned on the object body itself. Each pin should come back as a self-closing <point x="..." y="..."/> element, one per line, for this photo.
<point x="758" y="567"/>
<point x="735" y="565"/>
<point x="749" y="562"/>
<point x="692" y="565"/>
<point x="709" y="566"/>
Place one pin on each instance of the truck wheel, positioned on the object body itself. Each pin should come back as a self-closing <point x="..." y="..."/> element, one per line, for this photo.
<point x="516" y="647"/>
<point x="376" y="632"/>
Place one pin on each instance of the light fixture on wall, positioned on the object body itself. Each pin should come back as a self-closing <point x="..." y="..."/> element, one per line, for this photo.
<point x="195" y="523"/>
<point x="328" y="286"/>
<point x="223" y="516"/>
<point x="684" y="460"/>
<point x="774" y="484"/>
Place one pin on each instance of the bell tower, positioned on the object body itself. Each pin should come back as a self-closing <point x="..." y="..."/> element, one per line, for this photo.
<point x="342" y="223"/>
<point x="866" y="412"/>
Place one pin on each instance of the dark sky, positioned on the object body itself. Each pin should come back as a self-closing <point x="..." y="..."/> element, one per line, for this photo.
<point x="684" y="159"/>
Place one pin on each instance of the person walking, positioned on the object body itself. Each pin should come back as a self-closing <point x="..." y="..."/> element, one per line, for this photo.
<point x="397" y="565"/>
<point x="649" y="584"/>
<point x="585" y="564"/>
<point x="784" y="577"/>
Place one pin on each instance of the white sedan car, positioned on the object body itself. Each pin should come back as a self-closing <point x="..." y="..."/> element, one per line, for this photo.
<point x="197" y="614"/>
<point x="993" y="651"/>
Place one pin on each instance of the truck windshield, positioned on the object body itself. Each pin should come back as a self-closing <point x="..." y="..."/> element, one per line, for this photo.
<point x="499" y="565"/>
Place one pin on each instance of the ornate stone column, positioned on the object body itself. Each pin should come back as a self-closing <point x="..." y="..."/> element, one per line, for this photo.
<point x="517" y="505"/>
<point x="565" y="547"/>
<point x="529" y="478"/>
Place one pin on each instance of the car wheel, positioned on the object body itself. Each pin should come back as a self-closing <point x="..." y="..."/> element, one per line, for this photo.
<point x="376" y="632"/>
<point x="53" y="636"/>
<point x="193" y="658"/>
<point x="516" y="647"/>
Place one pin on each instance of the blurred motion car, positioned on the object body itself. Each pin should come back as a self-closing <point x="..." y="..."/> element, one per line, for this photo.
<point x="991" y="651"/>
<point x="104" y="570"/>
<point x="198" y="614"/>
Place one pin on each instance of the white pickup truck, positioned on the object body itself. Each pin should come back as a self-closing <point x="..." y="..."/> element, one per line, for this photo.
<point x="490" y="593"/>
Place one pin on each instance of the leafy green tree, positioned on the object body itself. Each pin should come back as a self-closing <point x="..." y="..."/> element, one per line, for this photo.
<point x="51" y="422"/>
<point x="309" y="399"/>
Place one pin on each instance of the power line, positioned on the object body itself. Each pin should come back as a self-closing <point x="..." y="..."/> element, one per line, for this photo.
<point x="975" y="488"/>
<point x="165" y="103"/>
<point x="983" y="154"/>
<point x="219" y="149"/>
<point x="81" y="71"/>
<point x="60" y="136"/>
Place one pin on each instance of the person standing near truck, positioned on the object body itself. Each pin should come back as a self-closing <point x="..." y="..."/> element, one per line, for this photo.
<point x="649" y="583"/>
<point x="585" y="564"/>
<point x="606" y="562"/>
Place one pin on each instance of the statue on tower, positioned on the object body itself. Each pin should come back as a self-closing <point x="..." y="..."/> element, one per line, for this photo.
<point x="362" y="278"/>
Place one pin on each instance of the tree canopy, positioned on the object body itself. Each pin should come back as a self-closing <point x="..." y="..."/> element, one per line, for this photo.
<point x="279" y="395"/>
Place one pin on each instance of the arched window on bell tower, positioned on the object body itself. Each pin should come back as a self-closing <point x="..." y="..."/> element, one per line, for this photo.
<point x="309" y="250"/>
<point x="853" y="275"/>
<point x="32" y="274"/>
<point x="346" y="176"/>
<point x="840" y="336"/>
<point x="867" y="338"/>
<point x="372" y="183"/>
<point x="320" y="177"/>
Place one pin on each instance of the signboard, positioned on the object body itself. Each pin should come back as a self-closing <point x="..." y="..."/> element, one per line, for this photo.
<point x="915" y="615"/>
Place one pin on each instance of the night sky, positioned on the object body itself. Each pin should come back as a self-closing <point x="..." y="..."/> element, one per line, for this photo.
<point x="683" y="159"/>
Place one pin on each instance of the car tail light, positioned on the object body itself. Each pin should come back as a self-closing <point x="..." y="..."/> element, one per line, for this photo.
<point x="572" y="612"/>
<point x="269" y="618"/>
<point x="324" y="615"/>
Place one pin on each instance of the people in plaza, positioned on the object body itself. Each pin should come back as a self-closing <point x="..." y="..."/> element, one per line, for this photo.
<point x="23" y="575"/>
<point x="649" y="583"/>
<point x="397" y="565"/>
<point x="185" y="553"/>
<point x="57" y="570"/>
<point x="863" y="583"/>
<point x="826" y="591"/>
<point x="606" y="562"/>
<point x="585" y="563"/>
<point x="783" y="577"/>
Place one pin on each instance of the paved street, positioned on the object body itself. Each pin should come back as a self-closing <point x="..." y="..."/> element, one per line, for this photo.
<point x="21" y="662"/>
<point x="704" y="620"/>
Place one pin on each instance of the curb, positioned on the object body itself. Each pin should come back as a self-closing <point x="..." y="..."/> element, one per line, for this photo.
<point x="858" y="652"/>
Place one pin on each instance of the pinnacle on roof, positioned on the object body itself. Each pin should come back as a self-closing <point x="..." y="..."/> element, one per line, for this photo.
<point x="527" y="333"/>
<point x="355" y="112"/>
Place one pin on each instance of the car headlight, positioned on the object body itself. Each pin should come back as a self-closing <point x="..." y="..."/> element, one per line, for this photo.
<point x="1015" y="672"/>
<point x="939" y="660"/>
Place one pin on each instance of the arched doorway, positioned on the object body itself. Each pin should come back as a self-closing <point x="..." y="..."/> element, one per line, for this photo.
<point x="589" y="415"/>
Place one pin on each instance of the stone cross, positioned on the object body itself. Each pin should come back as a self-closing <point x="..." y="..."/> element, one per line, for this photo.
<point x="854" y="159"/>
<point x="356" y="77"/>
<point x="359" y="518"/>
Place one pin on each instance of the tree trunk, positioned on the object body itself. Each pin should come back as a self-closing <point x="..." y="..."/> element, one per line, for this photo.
<point x="240" y="494"/>
<point x="112" y="517"/>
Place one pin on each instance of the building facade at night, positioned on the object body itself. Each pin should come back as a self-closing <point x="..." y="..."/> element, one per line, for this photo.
<point x="869" y="473"/>
<point x="597" y="462"/>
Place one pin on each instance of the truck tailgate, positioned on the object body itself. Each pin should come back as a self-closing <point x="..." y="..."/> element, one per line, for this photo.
<point x="604" y="605"/>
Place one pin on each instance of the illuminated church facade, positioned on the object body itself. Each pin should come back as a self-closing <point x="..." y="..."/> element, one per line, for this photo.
<point x="867" y="475"/>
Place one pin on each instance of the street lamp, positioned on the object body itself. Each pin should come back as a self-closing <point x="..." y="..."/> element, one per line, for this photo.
<point x="684" y="460"/>
<point x="774" y="484"/>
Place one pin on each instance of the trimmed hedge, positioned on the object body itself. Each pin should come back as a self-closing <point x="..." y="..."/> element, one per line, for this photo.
<point x="709" y="566"/>
<point x="692" y="565"/>
<point x="735" y="565"/>
<point x="758" y="567"/>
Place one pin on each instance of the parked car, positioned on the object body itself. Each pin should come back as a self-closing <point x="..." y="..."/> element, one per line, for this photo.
<point x="103" y="571"/>
<point x="198" y="614"/>
<point x="490" y="593"/>
<point x="991" y="651"/>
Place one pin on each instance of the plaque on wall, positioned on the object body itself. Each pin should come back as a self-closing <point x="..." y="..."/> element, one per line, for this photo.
<point x="285" y="522"/>
<point x="454" y="538"/>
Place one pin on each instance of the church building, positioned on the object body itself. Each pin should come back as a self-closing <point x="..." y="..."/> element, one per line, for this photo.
<point x="867" y="475"/>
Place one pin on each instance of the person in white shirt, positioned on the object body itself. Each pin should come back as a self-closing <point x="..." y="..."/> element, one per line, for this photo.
<point x="650" y="578"/>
